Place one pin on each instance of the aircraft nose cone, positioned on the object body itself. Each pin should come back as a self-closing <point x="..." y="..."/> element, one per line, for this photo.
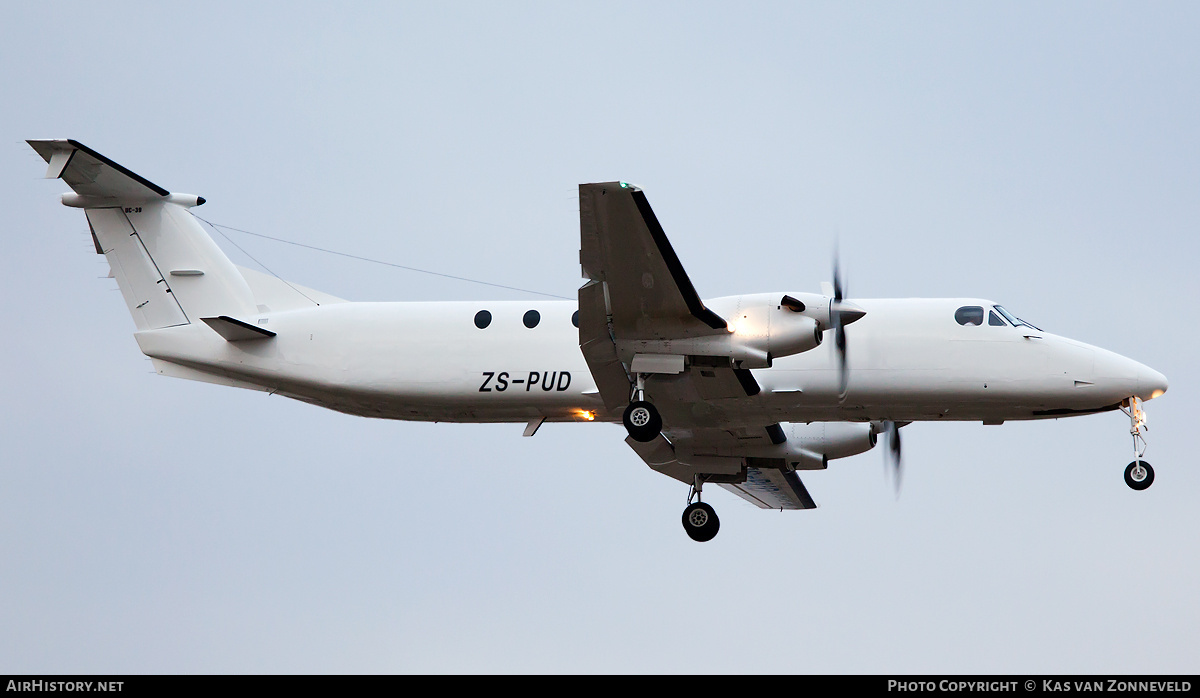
<point x="1120" y="377"/>
<point x="1151" y="383"/>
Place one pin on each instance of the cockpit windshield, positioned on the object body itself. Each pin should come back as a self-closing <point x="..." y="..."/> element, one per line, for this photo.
<point x="1016" y="321"/>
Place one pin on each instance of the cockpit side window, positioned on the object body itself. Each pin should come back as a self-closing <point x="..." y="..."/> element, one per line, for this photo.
<point x="969" y="315"/>
<point x="1016" y="322"/>
<point x="994" y="319"/>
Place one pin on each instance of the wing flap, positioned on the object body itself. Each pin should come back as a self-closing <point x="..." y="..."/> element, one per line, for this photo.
<point x="771" y="488"/>
<point x="596" y="343"/>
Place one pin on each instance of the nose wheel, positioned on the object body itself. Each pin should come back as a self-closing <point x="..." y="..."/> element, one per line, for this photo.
<point x="1138" y="474"/>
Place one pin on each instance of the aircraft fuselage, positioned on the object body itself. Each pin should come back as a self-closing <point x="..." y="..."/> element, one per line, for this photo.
<point x="909" y="360"/>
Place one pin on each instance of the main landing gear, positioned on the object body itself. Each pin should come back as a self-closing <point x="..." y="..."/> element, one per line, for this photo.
<point x="699" y="519"/>
<point x="644" y="424"/>
<point x="641" y="419"/>
<point x="1138" y="474"/>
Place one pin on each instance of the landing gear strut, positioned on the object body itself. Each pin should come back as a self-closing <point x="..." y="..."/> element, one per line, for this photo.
<point x="1138" y="474"/>
<point x="641" y="419"/>
<point x="699" y="519"/>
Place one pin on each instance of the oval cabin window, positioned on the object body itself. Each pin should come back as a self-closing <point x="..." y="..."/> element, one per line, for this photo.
<point x="969" y="315"/>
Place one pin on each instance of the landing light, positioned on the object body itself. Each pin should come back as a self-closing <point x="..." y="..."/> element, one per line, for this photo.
<point x="1156" y="393"/>
<point x="587" y="415"/>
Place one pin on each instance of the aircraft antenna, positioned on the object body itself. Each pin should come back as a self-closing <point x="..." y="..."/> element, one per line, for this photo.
<point x="218" y="226"/>
<point x="243" y="251"/>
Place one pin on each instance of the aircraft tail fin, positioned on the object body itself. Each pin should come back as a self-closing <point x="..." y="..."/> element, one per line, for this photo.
<point x="169" y="270"/>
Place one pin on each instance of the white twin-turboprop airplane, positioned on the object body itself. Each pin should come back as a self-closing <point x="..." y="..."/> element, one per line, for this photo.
<point x="740" y="391"/>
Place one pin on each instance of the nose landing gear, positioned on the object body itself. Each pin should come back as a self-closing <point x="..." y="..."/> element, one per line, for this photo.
<point x="1138" y="474"/>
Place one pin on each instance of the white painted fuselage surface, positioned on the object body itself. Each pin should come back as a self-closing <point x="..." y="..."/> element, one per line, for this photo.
<point x="908" y="360"/>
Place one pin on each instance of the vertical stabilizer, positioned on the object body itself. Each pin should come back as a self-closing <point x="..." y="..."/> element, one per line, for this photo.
<point x="168" y="269"/>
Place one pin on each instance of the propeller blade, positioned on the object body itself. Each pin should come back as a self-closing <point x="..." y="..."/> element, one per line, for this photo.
<point x="840" y="315"/>
<point x="893" y="461"/>
<point x="839" y="336"/>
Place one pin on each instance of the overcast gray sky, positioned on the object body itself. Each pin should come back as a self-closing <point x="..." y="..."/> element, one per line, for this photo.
<point x="1042" y="155"/>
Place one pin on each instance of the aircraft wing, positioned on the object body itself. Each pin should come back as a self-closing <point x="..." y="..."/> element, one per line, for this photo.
<point x="623" y="244"/>
<point x="638" y="290"/>
<point x="767" y="483"/>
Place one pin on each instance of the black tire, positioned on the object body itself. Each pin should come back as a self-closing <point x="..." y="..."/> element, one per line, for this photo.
<point x="642" y="421"/>
<point x="701" y="522"/>
<point x="1144" y="482"/>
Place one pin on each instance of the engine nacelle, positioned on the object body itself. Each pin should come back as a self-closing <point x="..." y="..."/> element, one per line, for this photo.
<point x="817" y="443"/>
<point x="808" y="446"/>
<point x="761" y="328"/>
<point x="767" y="326"/>
<point x="783" y="334"/>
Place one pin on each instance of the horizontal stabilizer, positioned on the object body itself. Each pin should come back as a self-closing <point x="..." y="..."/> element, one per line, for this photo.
<point x="236" y="330"/>
<point x="91" y="174"/>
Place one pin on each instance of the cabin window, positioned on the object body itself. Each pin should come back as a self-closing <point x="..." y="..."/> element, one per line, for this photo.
<point x="994" y="319"/>
<point x="482" y="319"/>
<point x="575" y="318"/>
<point x="531" y="319"/>
<point x="969" y="315"/>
